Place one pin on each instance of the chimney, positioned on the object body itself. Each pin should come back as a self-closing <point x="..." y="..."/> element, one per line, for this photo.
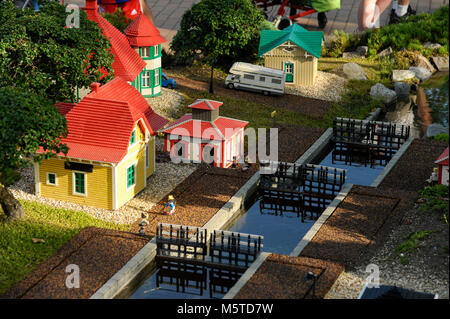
<point x="95" y="86"/>
<point x="91" y="5"/>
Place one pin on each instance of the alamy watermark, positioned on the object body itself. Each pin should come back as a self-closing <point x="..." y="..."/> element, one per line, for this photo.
<point x="73" y="279"/>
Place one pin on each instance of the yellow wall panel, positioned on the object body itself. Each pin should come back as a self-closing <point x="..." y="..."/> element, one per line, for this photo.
<point x="98" y="188"/>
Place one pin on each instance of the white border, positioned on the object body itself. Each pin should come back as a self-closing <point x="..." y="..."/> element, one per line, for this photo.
<point x="47" y="179"/>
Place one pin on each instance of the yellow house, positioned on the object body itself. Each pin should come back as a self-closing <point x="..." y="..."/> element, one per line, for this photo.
<point x="294" y="50"/>
<point x="111" y="144"/>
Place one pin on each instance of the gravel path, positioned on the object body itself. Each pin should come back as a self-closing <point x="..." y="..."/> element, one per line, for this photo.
<point x="165" y="178"/>
<point x="427" y="270"/>
<point x="167" y="103"/>
<point x="328" y="86"/>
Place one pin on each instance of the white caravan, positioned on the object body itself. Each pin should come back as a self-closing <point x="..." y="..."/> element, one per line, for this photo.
<point x="256" y="78"/>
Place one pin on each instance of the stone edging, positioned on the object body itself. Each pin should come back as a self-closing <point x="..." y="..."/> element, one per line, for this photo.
<point x="392" y="162"/>
<point x="247" y="275"/>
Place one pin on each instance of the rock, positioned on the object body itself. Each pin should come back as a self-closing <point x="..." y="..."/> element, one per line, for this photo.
<point x="402" y="89"/>
<point x="435" y="129"/>
<point x="353" y="71"/>
<point x="362" y="50"/>
<point x="421" y="73"/>
<point x="433" y="46"/>
<point x="423" y="62"/>
<point x="441" y="62"/>
<point x="385" y="52"/>
<point x="351" y="55"/>
<point x="402" y="75"/>
<point x="379" y="91"/>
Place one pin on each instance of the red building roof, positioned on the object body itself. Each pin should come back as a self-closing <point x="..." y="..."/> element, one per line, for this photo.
<point x="221" y="129"/>
<point x="203" y="104"/>
<point x="127" y="62"/>
<point x="100" y="126"/>
<point x="142" y="33"/>
<point x="443" y="158"/>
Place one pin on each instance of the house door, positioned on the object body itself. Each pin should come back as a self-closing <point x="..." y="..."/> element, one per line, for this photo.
<point x="208" y="154"/>
<point x="289" y="69"/>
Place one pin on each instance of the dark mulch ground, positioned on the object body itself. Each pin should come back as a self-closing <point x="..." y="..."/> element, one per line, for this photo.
<point x="98" y="252"/>
<point x="282" y="277"/>
<point x="415" y="166"/>
<point x="359" y="225"/>
<point x="295" y="103"/>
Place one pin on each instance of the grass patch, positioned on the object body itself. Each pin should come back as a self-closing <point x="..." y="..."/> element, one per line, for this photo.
<point x="19" y="255"/>
<point x="436" y="200"/>
<point x="411" y="244"/>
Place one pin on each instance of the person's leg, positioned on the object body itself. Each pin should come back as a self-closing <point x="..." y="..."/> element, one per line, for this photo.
<point x="147" y="11"/>
<point x="369" y="13"/>
<point x="402" y="7"/>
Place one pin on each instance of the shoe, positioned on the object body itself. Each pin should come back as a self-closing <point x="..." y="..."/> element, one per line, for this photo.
<point x="394" y="18"/>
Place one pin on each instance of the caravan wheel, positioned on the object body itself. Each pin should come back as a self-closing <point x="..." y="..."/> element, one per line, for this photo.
<point x="230" y="86"/>
<point x="266" y="93"/>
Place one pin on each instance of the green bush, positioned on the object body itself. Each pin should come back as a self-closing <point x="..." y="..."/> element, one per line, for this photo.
<point x="410" y="244"/>
<point x="441" y="137"/>
<point x="117" y="19"/>
<point x="409" y="35"/>
<point x="437" y="200"/>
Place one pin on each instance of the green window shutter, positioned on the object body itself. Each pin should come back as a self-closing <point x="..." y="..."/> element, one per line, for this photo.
<point x="79" y="183"/>
<point x="131" y="173"/>
<point x="133" y="138"/>
<point x="152" y="52"/>
<point x="152" y="78"/>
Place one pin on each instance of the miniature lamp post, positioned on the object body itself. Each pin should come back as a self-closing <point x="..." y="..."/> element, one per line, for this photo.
<point x="311" y="276"/>
<point x="272" y="115"/>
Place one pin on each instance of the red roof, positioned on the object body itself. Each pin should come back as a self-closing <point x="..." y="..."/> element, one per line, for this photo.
<point x="142" y="33"/>
<point x="203" y="104"/>
<point x="443" y="158"/>
<point x="222" y="128"/>
<point x="64" y="108"/>
<point x="127" y="62"/>
<point x="100" y="126"/>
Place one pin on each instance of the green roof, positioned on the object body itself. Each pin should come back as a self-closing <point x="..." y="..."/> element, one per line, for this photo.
<point x="310" y="41"/>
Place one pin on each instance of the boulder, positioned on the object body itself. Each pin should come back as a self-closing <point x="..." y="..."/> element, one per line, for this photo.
<point x="351" y="55"/>
<point x="441" y="62"/>
<point x="362" y="50"/>
<point x="402" y="89"/>
<point x="402" y="75"/>
<point x="435" y="129"/>
<point x="423" y="62"/>
<point x="385" y="52"/>
<point x="353" y="71"/>
<point x="421" y="73"/>
<point x="433" y="46"/>
<point x="379" y="91"/>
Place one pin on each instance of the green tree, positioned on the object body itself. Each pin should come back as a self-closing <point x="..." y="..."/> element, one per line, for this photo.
<point x="40" y="53"/>
<point x="27" y="122"/>
<point x="219" y="28"/>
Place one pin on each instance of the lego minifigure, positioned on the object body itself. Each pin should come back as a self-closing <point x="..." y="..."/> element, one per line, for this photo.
<point x="169" y="208"/>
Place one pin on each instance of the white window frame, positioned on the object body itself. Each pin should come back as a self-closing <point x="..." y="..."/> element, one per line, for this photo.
<point x="48" y="179"/>
<point x="74" y="192"/>
<point x="157" y="78"/>
<point x="145" y="52"/>
<point x="146" y="76"/>
<point x="135" y="176"/>
<point x="156" y="50"/>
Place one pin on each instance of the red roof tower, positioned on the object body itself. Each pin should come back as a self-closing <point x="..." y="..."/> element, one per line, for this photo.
<point x="142" y="33"/>
<point x="127" y="62"/>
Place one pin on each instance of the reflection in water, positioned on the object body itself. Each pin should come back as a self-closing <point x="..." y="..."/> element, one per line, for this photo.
<point x="430" y="105"/>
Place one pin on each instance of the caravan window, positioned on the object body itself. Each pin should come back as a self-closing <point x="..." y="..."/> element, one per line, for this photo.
<point x="262" y="78"/>
<point x="276" y="81"/>
<point x="249" y="77"/>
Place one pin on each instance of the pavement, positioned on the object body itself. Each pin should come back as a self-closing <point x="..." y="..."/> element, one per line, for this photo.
<point x="168" y="14"/>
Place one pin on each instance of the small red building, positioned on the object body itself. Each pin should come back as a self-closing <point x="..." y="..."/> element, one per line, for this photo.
<point x="204" y="136"/>
<point x="442" y="162"/>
